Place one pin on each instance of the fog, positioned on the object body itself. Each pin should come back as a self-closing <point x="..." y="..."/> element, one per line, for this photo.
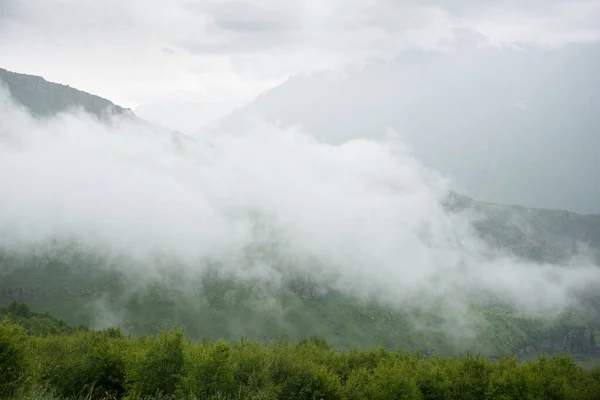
<point x="508" y="125"/>
<point x="363" y="216"/>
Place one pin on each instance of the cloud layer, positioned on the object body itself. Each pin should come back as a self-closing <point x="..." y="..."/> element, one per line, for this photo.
<point x="218" y="50"/>
<point x="363" y="217"/>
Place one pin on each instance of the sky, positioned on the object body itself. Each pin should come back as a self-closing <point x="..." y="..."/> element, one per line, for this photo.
<point x="228" y="51"/>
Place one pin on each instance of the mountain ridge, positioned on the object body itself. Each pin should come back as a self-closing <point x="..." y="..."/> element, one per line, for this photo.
<point x="84" y="287"/>
<point x="505" y="125"/>
<point x="45" y="98"/>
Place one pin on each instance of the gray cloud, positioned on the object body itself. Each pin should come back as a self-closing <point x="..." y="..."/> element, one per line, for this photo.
<point x="250" y="17"/>
<point x="9" y="11"/>
<point x="244" y="47"/>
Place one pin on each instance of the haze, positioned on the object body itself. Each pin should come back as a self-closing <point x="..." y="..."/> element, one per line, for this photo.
<point x="363" y="217"/>
<point x="322" y="137"/>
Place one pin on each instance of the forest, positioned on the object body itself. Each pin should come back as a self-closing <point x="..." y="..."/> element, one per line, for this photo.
<point x="42" y="357"/>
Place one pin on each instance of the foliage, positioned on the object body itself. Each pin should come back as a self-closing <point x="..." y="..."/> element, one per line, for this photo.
<point x="37" y="324"/>
<point x="12" y="356"/>
<point x="106" y="364"/>
<point x="156" y="366"/>
<point x="84" y="362"/>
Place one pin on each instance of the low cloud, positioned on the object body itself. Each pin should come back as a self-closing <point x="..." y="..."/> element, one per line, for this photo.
<point x="363" y="217"/>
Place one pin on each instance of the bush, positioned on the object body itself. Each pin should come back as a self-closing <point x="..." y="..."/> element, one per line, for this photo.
<point x="13" y="366"/>
<point x="208" y="371"/>
<point x="299" y="377"/>
<point x="157" y="369"/>
<point x="432" y="378"/>
<point x="92" y="364"/>
<point x="469" y="375"/>
<point x="86" y="363"/>
<point x="389" y="380"/>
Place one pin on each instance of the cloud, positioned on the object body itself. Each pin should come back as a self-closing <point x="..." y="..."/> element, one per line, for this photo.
<point x="243" y="16"/>
<point x="223" y="49"/>
<point x="8" y="9"/>
<point x="363" y="217"/>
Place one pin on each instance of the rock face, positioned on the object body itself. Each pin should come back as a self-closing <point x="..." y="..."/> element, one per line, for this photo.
<point x="578" y="340"/>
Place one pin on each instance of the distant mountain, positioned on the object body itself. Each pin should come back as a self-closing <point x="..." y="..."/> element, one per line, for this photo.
<point x="45" y="98"/>
<point x="185" y="116"/>
<point x="508" y="126"/>
<point x="86" y="287"/>
<point x="534" y="234"/>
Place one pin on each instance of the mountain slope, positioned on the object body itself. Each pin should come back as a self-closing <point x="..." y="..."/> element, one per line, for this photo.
<point x="84" y="285"/>
<point x="508" y="126"/>
<point x="536" y="234"/>
<point x="45" y="98"/>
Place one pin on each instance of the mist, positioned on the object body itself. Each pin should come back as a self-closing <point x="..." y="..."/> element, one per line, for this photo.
<point x="508" y="125"/>
<point x="261" y="202"/>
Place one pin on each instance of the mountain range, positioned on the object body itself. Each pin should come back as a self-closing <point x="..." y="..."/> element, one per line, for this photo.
<point x="512" y="126"/>
<point x="77" y="286"/>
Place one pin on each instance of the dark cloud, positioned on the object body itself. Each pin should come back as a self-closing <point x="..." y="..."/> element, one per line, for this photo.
<point x="244" y="27"/>
<point x="9" y="9"/>
<point x="250" y="17"/>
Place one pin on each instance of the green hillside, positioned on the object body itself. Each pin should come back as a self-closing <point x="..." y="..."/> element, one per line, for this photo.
<point x="86" y="287"/>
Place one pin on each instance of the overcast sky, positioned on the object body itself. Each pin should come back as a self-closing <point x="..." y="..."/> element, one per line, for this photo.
<point x="140" y="51"/>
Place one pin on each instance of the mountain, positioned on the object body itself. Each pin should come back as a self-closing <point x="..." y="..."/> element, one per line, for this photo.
<point x="88" y="286"/>
<point x="535" y="234"/>
<point x="185" y="116"/>
<point x="512" y="126"/>
<point x="45" y="98"/>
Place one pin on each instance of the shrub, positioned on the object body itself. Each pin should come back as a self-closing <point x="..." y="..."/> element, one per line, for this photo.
<point x="13" y="364"/>
<point x="208" y="371"/>
<point x="90" y="363"/>
<point x="157" y="369"/>
<point x="298" y="377"/>
<point x="469" y="375"/>
<point x="389" y="380"/>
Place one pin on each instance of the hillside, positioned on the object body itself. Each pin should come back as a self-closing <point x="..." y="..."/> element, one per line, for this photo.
<point x="45" y="98"/>
<point x="87" y="285"/>
<point x="89" y="288"/>
<point x="536" y="234"/>
<point x="105" y="364"/>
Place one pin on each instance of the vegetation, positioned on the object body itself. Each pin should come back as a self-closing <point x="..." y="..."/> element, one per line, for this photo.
<point x="50" y="363"/>
<point x="83" y="288"/>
